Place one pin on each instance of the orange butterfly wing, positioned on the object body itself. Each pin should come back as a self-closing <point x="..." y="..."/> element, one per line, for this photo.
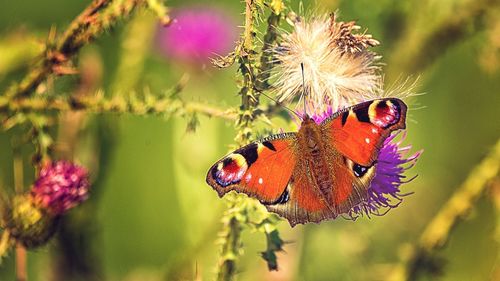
<point x="261" y="169"/>
<point x="358" y="132"/>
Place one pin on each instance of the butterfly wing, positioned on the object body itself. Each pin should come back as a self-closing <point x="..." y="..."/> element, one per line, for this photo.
<point x="270" y="171"/>
<point x="357" y="134"/>
<point x="261" y="169"/>
<point x="302" y="202"/>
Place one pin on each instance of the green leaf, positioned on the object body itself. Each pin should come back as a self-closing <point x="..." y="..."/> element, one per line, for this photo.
<point x="193" y="123"/>
<point x="274" y="244"/>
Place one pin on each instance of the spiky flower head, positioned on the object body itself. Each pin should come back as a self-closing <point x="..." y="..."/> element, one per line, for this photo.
<point x="338" y="68"/>
<point x="32" y="218"/>
<point x="60" y="186"/>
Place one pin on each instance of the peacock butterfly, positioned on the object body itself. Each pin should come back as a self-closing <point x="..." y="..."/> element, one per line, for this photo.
<point x="317" y="173"/>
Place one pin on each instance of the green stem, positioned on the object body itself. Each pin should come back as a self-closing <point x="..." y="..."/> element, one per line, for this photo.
<point x="21" y="263"/>
<point x="266" y="58"/>
<point x="249" y="97"/>
<point x="99" y="16"/>
<point x="5" y="244"/>
<point x="437" y="232"/>
<point x="149" y="105"/>
<point x="231" y="247"/>
<point x="21" y="255"/>
<point x="231" y="244"/>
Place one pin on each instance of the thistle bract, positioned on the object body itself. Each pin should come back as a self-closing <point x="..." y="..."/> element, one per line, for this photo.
<point x="29" y="223"/>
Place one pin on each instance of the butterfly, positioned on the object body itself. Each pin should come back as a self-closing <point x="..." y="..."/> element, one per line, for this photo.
<point x="317" y="173"/>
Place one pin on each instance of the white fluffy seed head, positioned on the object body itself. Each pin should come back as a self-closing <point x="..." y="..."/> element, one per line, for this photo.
<point x="338" y="69"/>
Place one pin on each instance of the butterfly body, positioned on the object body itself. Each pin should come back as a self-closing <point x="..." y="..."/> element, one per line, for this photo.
<point x="317" y="173"/>
<point x="318" y="162"/>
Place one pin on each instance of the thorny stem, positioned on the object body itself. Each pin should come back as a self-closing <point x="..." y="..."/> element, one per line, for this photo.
<point x="231" y="246"/>
<point x="21" y="255"/>
<point x="248" y="34"/>
<point x="249" y="98"/>
<point x="150" y="105"/>
<point x="74" y="37"/>
<point x="267" y="61"/>
<point x="437" y="232"/>
<point x="66" y="47"/>
<point x="97" y="17"/>
<point x="266" y="58"/>
<point x="255" y="79"/>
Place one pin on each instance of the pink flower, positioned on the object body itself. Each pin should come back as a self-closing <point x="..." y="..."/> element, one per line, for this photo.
<point x="197" y="34"/>
<point x="60" y="186"/>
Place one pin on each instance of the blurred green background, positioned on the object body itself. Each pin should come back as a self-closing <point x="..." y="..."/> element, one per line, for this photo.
<point x="152" y="216"/>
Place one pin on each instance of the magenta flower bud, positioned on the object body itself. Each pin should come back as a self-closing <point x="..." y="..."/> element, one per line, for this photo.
<point x="60" y="186"/>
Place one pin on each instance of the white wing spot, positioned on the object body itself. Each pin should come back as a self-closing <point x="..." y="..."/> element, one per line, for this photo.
<point x="367" y="140"/>
<point x="374" y="130"/>
<point x="260" y="181"/>
<point x="248" y="178"/>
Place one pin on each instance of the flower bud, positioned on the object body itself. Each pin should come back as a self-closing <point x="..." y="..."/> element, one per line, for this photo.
<point x="60" y="186"/>
<point x="28" y="223"/>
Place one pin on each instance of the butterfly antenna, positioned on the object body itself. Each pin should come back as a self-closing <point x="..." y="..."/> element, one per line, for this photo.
<point x="304" y="88"/>
<point x="283" y="106"/>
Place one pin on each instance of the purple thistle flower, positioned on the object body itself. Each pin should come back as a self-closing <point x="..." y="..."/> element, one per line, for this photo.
<point x="383" y="193"/>
<point x="320" y="117"/>
<point x="197" y="34"/>
<point x="60" y="186"/>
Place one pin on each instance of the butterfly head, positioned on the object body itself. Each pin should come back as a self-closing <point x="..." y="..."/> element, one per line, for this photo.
<point x="308" y="121"/>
